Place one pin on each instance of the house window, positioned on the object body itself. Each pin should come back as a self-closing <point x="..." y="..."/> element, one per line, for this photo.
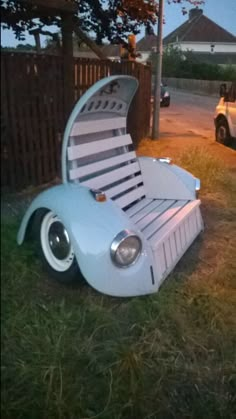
<point x="212" y="48"/>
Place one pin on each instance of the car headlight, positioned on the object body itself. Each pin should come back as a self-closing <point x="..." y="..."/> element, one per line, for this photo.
<point x="197" y="186"/>
<point x="125" y="248"/>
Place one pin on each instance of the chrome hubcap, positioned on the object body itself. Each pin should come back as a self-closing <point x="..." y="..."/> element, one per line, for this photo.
<point x="56" y="244"/>
<point x="59" y="240"/>
<point x="221" y="133"/>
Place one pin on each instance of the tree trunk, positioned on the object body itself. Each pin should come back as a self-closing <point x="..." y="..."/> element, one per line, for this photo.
<point x="37" y="42"/>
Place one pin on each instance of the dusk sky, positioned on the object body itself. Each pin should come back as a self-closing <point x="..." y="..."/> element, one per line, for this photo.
<point x="223" y="12"/>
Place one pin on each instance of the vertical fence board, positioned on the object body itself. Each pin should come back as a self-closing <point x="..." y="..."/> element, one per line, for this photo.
<point x="34" y="113"/>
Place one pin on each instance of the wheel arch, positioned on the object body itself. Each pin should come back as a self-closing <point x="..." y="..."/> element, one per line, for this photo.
<point x="227" y="120"/>
<point x="220" y="117"/>
<point x="92" y="227"/>
<point x="32" y="222"/>
<point x="27" y="228"/>
<point x="223" y="136"/>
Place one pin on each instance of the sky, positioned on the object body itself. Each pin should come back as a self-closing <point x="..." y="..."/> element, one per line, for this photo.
<point x="222" y="12"/>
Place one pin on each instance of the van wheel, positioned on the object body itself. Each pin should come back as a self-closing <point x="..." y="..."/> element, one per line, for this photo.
<point x="222" y="132"/>
<point x="55" y="248"/>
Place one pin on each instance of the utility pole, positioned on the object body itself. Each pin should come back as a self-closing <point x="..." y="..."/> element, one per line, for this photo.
<point x="157" y="88"/>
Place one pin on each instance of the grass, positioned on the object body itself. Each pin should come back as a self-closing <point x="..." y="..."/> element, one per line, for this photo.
<point x="74" y="353"/>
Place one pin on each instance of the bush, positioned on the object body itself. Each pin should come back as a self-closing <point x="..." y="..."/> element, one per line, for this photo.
<point x="187" y="65"/>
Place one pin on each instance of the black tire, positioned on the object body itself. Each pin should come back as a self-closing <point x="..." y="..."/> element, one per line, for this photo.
<point x="165" y="103"/>
<point x="222" y="133"/>
<point x="60" y="263"/>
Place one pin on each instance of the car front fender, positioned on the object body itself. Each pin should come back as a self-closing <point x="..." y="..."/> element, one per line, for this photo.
<point x="92" y="227"/>
<point x="163" y="180"/>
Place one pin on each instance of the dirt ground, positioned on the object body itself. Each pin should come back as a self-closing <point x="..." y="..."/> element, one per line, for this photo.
<point x="169" y="146"/>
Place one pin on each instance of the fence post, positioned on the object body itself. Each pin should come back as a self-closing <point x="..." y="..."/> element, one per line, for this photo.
<point x="67" y="48"/>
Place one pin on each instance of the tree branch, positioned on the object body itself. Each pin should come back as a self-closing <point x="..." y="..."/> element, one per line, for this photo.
<point x="59" y="5"/>
<point x="88" y="41"/>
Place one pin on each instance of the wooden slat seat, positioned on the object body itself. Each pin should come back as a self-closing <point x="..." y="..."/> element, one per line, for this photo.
<point x="156" y="214"/>
<point x="169" y="226"/>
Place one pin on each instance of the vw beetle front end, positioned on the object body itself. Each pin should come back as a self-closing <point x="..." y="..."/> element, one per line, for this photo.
<point x="98" y="232"/>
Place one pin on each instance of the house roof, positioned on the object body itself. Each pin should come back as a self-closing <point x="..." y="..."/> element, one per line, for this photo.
<point x="199" y="28"/>
<point x="85" y="54"/>
<point x="147" y="43"/>
<point x="111" y="50"/>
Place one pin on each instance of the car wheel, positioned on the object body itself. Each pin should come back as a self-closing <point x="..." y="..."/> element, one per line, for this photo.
<point x="222" y="132"/>
<point x="55" y="248"/>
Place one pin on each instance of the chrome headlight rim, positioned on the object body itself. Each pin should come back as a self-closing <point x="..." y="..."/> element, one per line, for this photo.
<point x="117" y="241"/>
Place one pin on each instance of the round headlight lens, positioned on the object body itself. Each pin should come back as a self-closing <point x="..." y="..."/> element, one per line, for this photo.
<point x="125" y="248"/>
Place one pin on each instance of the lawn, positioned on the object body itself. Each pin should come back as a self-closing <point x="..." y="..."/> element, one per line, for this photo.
<point x="74" y="353"/>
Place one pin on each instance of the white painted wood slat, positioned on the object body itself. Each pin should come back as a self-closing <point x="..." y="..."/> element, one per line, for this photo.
<point x="87" y="149"/>
<point x="112" y="176"/>
<point x="99" y="125"/>
<point x="173" y="247"/>
<point x="160" y="259"/>
<point x="138" y="206"/>
<point x="168" y="255"/>
<point x="147" y="210"/>
<point x="124" y="186"/>
<point x="182" y="236"/>
<point x="130" y="197"/>
<point x="177" y="240"/>
<point x="101" y="165"/>
<point x="165" y="217"/>
<point x="193" y="224"/>
<point x="151" y="221"/>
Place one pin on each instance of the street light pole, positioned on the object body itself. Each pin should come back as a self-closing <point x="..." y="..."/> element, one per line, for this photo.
<point x="157" y="88"/>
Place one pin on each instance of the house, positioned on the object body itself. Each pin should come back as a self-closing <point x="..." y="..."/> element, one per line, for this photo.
<point x="146" y="46"/>
<point x="112" y="51"/>
<point x="208" y="41"/>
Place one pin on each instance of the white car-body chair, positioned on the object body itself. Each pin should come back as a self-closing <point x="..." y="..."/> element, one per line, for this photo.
<point x="124" y="221"/>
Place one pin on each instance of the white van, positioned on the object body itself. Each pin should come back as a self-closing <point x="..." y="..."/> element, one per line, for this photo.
<point x="225" y="115"/>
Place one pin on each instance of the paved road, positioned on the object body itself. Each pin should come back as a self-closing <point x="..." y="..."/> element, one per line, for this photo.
<point x="188" y="115"/>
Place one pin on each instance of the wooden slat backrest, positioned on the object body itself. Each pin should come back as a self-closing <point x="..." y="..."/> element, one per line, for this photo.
<point x="118" y="175"/>
<point x="100" y="153"/>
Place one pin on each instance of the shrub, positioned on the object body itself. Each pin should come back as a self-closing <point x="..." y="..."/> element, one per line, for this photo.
<point x="187" y="65"/>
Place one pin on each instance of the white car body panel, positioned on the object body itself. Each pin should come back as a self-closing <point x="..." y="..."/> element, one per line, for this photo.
<point x="227" y="109"/>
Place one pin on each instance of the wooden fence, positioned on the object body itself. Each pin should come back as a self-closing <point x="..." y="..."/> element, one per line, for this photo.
<point x="33" y="112"/>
